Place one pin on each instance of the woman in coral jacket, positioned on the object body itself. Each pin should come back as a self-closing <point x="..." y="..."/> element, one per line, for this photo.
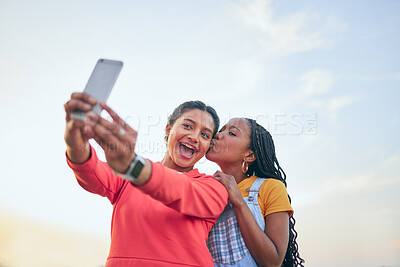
<point x="162" y="211"/>
<point x="257" y="226"/>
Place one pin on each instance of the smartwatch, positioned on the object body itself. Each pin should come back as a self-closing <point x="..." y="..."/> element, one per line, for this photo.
<point x="135" y="168"/>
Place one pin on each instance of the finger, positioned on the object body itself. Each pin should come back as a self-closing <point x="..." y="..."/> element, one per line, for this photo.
<point x="218" y="179"/>
<point x="222" y="175"/>
<point x="67" y="114"/>
<point x="118" y="120"/>
<point x="113" y="114"/>
<point x="88" y="131"/>
<point x="105" y="132"/>
<point x="84" y="97"/>
<point x="74" y="104"/>
<point x="217" y="174"/>
<point x="130" y="134"/>
<point x="105" y="138"/>
<point x="221" y="180"/>
<point x="94" y="119"/>
<point x="113" y="128"/>
<point x="102" y="144"/>
<point x="76" y="124"/>
<point x="230" y="177"/>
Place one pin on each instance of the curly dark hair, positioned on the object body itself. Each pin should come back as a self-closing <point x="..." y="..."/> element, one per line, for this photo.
<point x="189" y="105"/>
<point x="267" y="165"/>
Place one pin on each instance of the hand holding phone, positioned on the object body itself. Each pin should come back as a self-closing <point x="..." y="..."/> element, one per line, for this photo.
<point x="100" y="84"/>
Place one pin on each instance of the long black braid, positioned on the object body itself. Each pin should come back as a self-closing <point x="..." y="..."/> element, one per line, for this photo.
<point x="267" y="165"/>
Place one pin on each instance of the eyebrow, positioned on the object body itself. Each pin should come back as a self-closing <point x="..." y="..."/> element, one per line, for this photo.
<point x="192" y="121"/>
<point x="233" y="126"/>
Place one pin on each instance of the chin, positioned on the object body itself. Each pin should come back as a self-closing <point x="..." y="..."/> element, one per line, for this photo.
<point x="185" y="163"/>
<point x="211" y="157"/>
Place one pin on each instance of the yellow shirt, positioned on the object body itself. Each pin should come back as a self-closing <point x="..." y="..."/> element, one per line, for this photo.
<point x="272" y="196"/>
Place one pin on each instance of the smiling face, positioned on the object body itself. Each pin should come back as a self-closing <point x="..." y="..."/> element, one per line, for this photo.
<point x="188" y="139"/>
<point x="231" y="144"/>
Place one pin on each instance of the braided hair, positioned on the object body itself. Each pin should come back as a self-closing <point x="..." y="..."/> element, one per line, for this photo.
<point x="267" y="165"/>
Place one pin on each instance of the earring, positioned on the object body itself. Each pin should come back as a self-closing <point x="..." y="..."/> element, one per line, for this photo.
<point x="245" y="167"/>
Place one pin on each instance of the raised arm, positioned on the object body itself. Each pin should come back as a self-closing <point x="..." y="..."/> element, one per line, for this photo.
<point x="78" y="149"/>
<point x="201" y="197"/>
<point x="92" y="174"/>
<point x="191" y="194"/>
<point x="97" y="177"/>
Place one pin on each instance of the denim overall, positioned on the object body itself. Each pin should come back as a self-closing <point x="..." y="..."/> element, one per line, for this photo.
<point x="225" y="241"/>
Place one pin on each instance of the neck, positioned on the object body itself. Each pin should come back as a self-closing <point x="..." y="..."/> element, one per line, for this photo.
<point x="235" y="170"/>
<point x="168" y="162"/>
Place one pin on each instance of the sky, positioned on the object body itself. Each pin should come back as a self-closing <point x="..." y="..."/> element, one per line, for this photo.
<point x="322" y="76"/>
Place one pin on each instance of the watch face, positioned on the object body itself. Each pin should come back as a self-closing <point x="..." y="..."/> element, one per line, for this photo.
<point x="137" y="169"/>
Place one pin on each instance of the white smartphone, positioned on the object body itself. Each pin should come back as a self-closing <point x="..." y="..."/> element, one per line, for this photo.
<point x="100" y="84"/>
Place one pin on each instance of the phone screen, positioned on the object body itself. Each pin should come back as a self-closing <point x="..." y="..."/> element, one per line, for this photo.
<point x="100" y="84"/>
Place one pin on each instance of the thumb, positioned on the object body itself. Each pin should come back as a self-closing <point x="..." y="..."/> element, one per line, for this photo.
<point x="217" y="174"/>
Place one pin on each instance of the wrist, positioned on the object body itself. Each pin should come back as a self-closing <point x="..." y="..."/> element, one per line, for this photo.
<point x="145" y="175"/>
<point x="135" y="168"/>
<point x="79" y="155"/>
<point x="238" y="203"/>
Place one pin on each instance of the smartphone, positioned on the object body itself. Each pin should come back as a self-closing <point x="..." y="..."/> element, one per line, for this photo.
<point x="100" y="84"/>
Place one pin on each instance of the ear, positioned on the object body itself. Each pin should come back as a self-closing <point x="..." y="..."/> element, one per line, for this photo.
<point x="249" y="156"/>
<point x="167" y="131"/>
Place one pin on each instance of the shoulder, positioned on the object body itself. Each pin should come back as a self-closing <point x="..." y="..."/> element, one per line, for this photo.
<point x="274" y="197"/>
<point x="267" y="184"/>
<point x="194" y="173"/>
<point x="271" y="182"/>
<point x="207" y="181"/>
<point x="272" y="187"/>
<point x="201" y="177"/>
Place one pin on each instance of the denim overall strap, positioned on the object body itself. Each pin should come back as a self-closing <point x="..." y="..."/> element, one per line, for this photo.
<point x="252" y="202"/>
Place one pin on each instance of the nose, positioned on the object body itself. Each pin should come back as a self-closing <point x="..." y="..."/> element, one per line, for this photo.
<point x="194" y="136"/>
<point x="217" y="136"/>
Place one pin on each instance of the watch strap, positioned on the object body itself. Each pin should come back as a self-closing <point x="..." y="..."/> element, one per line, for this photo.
<point x="135" y="168"/>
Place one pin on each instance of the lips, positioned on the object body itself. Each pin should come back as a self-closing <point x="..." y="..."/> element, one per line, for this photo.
<point x="187" y="151"/>
<point x="213" y="144"/>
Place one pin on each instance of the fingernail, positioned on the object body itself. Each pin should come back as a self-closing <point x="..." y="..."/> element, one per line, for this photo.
<point x="90" y="115"/>
<point x="89" y="119"/>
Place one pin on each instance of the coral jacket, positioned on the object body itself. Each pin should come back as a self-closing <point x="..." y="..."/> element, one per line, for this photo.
<point x="162" y="223"/>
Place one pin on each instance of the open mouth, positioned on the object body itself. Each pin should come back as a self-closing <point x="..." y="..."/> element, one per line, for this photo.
<point x="186" y="150"/>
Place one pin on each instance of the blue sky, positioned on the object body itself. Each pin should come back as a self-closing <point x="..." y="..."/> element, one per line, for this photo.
<point x="323" y="77"/>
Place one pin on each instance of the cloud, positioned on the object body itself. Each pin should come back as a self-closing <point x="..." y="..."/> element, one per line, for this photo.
<point x="358" y="208"/>
<point x="314" y="85"/>
<point x="393" y="160"/>
<point x="348" y="185"/>
<point x="375" y="78"/>
<point x="337" y="103"/>
<point x="357" y="184"/>
<point x="316" y="82"/>
<point x="280" y="36"/>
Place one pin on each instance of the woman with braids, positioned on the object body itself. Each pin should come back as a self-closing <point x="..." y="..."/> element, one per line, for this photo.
<point x="257" y="226"/>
